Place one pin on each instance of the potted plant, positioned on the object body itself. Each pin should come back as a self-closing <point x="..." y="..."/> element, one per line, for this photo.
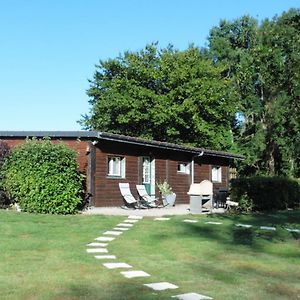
<point x="167" y="194"/>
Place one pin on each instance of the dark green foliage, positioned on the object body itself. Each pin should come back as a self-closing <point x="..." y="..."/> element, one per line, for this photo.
<point x="4" y="153"/>
<point x="165" y="95"/>
<point x="263" y="60"/>
<point x="266" y="193"/>
<point x="42" y="177"/>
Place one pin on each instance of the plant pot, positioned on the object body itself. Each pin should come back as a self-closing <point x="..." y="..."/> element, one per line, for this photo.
<point x="169" y="199"/>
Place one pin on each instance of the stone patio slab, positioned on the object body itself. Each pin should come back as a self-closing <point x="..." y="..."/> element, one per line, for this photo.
<point x="267" y="228"/>
<point x="111" y="232"/>
<point x="96" y="244"/>
<point x="130" y="221"/>
<point x="292" y="230"/>
<point x="97" y="250"/>
<point x="104" y="239"/>
<point x="116" y="265"/>
<point x="160" y="286"/>
<point x="214" y="223"/>
<point x="161" y="219"/>
<point x="105" y="256"/>
<point x="244" y="225"/>
<point x="125" y="225"/>
<point x="190" y="221"/>
<point x="135" y="217"/>
<point x="134" y="274"/>
<point x="121" y="228"/>
<point x="191" y="296"/>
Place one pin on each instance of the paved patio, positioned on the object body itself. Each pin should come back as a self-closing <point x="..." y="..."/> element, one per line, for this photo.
<point x="178" y="209"/>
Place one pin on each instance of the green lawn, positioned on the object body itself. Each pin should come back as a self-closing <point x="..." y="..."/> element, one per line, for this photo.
<point x="44" y="257"/>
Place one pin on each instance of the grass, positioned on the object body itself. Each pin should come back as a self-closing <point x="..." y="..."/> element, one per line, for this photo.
<point x="44" y="257"/>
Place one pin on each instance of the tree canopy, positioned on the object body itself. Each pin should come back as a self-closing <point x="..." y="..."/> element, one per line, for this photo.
<point x="241" y="93"/>
<point x="163" y="94"/>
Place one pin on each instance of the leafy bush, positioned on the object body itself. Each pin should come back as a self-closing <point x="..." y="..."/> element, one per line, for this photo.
<point x="266" y="193"/>
<point x="42" y="177"/>
<point x="4" y="153"/>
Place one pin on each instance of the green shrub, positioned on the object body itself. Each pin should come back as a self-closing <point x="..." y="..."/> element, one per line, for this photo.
<point x="42" y="177"/>
<point x="266" y="193"/>
<point x="4" y="153"/>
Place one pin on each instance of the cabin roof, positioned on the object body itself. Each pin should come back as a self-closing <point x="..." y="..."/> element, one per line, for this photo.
<point x="97" y="136"/>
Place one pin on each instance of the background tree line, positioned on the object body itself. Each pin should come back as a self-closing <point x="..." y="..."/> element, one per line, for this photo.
<point x="241" y="93"/>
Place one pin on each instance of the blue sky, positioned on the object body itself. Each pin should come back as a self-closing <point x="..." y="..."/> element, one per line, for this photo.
<point x="49" y="48"/>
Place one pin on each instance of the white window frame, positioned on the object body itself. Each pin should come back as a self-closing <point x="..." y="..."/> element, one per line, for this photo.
<point x="116" y="166"/>
<point x="183" y="167"/>
<point x="216" y="174"/>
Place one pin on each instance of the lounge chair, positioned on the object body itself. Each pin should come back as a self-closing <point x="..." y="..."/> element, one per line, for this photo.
<point x="130" y="201"/>
<point x="146" y="199"/>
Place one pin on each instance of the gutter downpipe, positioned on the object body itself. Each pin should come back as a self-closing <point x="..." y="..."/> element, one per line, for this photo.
<point x="193" y="165"/>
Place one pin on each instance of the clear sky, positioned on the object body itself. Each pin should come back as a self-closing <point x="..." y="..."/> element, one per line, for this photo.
<point x="49" y="48"/>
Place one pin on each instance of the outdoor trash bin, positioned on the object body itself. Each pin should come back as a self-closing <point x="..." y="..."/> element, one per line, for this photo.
<point x="200" y="193"/>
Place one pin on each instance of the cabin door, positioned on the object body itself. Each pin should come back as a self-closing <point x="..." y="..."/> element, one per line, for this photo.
<point x="148" y="174"/>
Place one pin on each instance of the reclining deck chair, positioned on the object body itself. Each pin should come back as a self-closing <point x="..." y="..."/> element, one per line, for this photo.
<point x="146" y="199"/>
<point x="130" y="201"/>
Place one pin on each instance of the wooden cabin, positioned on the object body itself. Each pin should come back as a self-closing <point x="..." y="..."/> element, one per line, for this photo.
<point x="107" y="159"/>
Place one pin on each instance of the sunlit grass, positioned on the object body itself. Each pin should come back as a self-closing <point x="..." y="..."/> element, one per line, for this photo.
<point x="44" y="257"/>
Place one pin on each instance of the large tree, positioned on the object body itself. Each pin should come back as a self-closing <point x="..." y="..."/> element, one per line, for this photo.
<point x="264" y="62"/>
<point x="163" y="94"/>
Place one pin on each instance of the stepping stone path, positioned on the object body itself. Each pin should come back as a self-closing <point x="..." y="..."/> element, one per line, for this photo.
<point x="192" y="296"/>
<point x="117" y="231"/>
<point x="97" y="250"/>
<point x="105" y="256"/>
<point x="214" y="223"/>
<point x="267" y="228"/>
<point x="97" y="244"/>
<point x="104" y="239"/>
<point x="160" y="286"/>
<point x="121" y="228"/>
<point x="243" y="225"/>
<point x="134" y="274"/>
<point x="292" y="230"/>
<point x="112" y="232"/>
<point x="116" y="265"/>
<point x="190" y="221"/>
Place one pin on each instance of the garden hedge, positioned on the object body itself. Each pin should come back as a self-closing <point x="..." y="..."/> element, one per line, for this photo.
<point x="4" y="153"/>
<point x="267" y="193"/>
<point x="42" y="177"/>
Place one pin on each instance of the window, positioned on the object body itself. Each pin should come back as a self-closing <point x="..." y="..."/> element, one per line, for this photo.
<point x="116" y="166"/>
<point x="216" y="174"/>
<point x="183" y="167"/>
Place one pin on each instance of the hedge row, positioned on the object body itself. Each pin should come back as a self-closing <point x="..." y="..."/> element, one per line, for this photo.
<point x="267" y="193"/>
<point x="42" y="177"/>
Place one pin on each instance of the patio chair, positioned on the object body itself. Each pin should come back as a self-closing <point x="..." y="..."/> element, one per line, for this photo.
<point x="130" y="201"/>
<point x="146" y="199"/>
<point x="229" y="205"/>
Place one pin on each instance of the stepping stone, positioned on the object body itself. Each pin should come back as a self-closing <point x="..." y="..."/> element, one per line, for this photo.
<point x="121" y="228"/>
<point x="161" y="219"/>
<point x="130" y="221"/>
<point x="243" y="225"/>
<point x="112" y="232"/>
<point x="191" y="296"/>
<point x="292" y="230"/>
<point x="125" y="225"/>
<point x="116" y="265"/>
<point x="97" y="250"/>
<point x="134" y="274"/>
<point x="105" y="256"/>
<point x="190" y="221"/>
<point x="160" y="286"/>
<point x="267" y="228"/>
<point x="97" y="245"/>
<point x="135" y="217"/>
<point x="214" y="223"/>
<point x="104" y="239"/>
